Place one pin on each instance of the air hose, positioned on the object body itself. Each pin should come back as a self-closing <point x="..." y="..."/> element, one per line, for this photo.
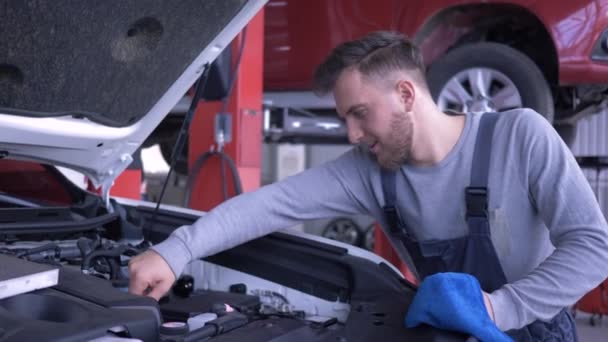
<point x="198" y="165"/>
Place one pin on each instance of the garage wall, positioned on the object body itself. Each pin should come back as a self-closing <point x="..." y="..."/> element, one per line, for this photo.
<point x="592" y="140"/>
<point x="599" y="184"/>
<point x="591" y="136"/>
<point x="319" y="154"/>
<point x="282" y="160"/>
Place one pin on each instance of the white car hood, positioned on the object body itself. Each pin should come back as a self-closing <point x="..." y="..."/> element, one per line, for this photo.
<point x="120" y="61"/>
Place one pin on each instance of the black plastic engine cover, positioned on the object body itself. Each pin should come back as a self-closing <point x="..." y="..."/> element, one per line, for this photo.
<point x="180" y="309"/>
<point x="80" y="308"/>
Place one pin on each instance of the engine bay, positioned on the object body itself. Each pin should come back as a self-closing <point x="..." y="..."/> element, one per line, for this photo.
<point x="205" y="293"/>
<point x="281" y="287"/>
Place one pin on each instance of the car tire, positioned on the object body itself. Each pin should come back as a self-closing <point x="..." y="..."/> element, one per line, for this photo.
<point x="344" y="230"/>
<point x="498" y="60"/>
<point x="369" y="238"/>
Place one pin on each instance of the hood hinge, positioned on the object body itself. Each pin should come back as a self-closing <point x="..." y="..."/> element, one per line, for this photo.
<point x="107" y="180"/>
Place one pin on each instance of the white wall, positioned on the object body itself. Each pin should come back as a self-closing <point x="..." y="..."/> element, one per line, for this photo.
<point x="592" y="140"/>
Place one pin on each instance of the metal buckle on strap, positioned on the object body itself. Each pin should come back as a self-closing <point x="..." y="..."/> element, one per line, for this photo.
<point x="477" y="201"/>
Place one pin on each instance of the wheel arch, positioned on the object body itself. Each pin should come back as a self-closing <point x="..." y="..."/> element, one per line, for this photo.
<point x="499" y="23"/>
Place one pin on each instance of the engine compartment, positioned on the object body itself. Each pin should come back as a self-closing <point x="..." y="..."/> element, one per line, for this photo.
<point x="281" y="287"/>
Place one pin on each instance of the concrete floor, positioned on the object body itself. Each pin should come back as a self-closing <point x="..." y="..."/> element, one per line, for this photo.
<point x="588" y="333"/>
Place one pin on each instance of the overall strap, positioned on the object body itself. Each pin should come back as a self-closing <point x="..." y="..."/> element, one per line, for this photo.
<point x="393" y="219"/>
<point x="476" y="195"/>
<point x="396" y="226"/>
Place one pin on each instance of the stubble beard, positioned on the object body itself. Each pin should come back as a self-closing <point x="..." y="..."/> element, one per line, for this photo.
<point x="396" y="150"/>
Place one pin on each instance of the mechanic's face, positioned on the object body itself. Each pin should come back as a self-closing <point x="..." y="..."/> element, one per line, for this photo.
<point x="376" y="116"/>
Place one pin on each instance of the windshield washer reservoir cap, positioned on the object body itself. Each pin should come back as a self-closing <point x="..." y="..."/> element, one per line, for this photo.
<point x="174" y="328"/>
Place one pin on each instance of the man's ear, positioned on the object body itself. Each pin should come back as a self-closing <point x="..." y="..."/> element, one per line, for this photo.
<point x="407" y="94"/>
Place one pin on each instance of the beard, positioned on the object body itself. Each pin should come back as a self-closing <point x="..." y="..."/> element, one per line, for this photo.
<point x="395" y="150"/>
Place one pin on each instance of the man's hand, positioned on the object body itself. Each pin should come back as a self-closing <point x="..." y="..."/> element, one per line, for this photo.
<point x="150" y="275"/>
<point x="454" y="301"/>
<point x="486" y="301"/>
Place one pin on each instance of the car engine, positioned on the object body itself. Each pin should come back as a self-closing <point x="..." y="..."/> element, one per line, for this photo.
<point x="94" y="284"/>
<point x="281" y="287"/>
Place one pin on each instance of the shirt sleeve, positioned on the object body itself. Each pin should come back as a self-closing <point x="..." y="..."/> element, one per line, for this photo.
<point x="566" y="203"/>
<point x="339" y="187"/>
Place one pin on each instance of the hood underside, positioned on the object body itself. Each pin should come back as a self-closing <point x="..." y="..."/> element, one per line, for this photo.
<point x="83" y="84"/>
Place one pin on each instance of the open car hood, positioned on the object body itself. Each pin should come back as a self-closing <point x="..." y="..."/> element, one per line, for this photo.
<point x="82" y="84"/>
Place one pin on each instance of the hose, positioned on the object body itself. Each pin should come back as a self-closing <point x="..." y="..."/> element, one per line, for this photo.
<point x="43" y="248"/>
<point x="116" y="252"/>
<point x="198" y="165"/>
<point x="218" y="326"/>
<point x="224" y="183"/>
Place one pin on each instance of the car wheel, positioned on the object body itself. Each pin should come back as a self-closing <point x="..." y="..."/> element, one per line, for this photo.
<point x="484" y="77"/>
<point x="370" y="238"/>
<point x="343" y="230"/>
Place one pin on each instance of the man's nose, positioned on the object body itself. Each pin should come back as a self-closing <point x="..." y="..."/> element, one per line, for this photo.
<point x="355" y="133"/>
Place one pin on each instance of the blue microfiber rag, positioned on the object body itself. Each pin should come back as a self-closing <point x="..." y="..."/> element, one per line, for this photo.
<point x="453" y="301"/>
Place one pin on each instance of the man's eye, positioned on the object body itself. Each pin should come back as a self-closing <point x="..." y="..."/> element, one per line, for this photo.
<point x="359" y="115"/>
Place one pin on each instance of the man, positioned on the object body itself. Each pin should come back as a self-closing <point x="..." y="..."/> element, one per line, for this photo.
<point x="504" y="203"/>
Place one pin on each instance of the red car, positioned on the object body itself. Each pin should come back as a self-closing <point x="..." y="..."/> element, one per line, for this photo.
<point x="551" y="56"/>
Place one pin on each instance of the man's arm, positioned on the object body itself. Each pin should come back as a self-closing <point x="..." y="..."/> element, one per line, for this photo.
<point x="578" y="230"/>
<point x="335" y="188"/>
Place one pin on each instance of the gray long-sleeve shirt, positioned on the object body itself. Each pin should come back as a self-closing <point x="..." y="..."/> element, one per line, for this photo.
<point x="549" y="233"/>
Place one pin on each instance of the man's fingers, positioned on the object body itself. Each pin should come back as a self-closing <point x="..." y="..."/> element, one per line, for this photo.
<point x="139" y="280"/>
<point x="150" y="275"/>
<point x="159" y="290"/>
<point x="137" y="286"/>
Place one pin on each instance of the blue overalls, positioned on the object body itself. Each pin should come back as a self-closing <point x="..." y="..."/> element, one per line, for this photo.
<point x="474" y="253"/>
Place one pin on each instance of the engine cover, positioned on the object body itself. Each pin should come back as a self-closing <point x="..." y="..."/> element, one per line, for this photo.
<point x="79" y="308"/>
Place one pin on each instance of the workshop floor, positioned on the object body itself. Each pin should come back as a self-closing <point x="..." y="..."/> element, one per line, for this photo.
<point x="588" y="333"/>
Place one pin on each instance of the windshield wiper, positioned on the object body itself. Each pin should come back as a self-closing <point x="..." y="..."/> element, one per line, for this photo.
<point x="56" y="227"/>
<point x="10" y="199"/>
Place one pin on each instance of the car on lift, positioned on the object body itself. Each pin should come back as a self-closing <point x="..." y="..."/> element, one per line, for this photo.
<point x="82" y="86"/>
<point x="481" y="55"/>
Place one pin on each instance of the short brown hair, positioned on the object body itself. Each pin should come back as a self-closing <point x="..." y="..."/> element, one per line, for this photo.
<point x="375" y="54"/>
